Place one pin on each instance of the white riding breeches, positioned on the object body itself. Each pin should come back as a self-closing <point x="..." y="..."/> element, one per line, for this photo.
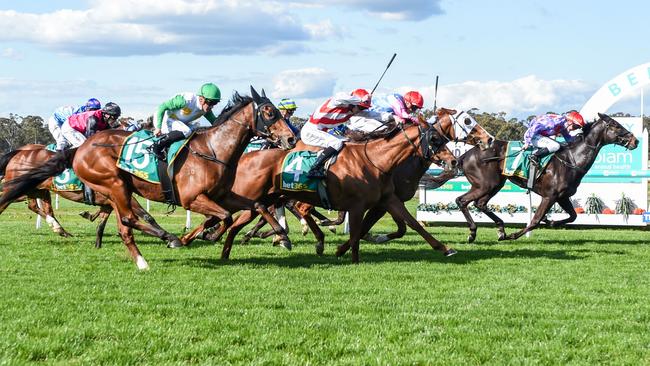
<point x="73" y="137"/>
<point x="311" y="135"/>
<point x="171" y="124"/>
<point x="55" y="130"/>
<point x="364" y="124"/>
<point x="547" y="142"/>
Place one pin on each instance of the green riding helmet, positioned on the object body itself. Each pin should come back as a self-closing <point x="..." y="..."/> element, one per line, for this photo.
<point x="210" y="91"/>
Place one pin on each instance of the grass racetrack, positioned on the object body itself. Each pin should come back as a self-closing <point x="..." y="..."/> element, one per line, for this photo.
<point x="561" y="297"/>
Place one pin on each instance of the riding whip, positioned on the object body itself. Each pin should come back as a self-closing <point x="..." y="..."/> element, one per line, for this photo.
<point x="382" y="75"/>
<point x="435" y="95"/>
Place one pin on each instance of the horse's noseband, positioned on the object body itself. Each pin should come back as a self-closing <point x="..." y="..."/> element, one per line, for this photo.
<point x="262" y="123"/>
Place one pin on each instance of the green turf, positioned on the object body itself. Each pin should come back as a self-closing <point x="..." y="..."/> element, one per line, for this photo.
<point x="560" y="297"/>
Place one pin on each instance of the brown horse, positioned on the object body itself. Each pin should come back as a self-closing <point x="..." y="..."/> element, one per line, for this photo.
<point x="17" y="162"/>
<point x="457" y="126"/>
<point x="359" y="180"/>
<point x="557" y="183"/>
<point x="205" y="169"/>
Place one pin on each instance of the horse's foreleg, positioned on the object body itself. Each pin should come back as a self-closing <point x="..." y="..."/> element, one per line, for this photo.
<point x="254" y="232"/>
<point x="339" y="220"/>
<point x="104" y="212"/>
<point x="47" y="211"/>
<point x="204" y="205"/>
<point x="279" y="230"/>
<point x="481" y="204"/>
<point x="396" y="208"/>
<point x="241" y="221"/>
<point x="216" y="235"/>
<point x="463" y="201"/>
<point x="567" y="206"/>
<point x="189" y="237"/>
<point x="318" y="233"/>
<point x="369" y="220"/>
<point x="355" y="218"/>
<point x="543" y="208"/>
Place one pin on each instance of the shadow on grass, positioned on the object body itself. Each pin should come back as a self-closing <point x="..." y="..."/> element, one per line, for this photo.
<point x="385" y="255"/>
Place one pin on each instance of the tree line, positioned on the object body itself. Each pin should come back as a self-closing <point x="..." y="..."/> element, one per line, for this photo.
<point x="17" y="131"/>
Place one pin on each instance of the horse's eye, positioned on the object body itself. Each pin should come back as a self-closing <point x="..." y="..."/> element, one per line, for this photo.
<point x="468" y="121"/>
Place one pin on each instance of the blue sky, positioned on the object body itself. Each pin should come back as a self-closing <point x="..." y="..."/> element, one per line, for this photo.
<point x="519" y="57"/>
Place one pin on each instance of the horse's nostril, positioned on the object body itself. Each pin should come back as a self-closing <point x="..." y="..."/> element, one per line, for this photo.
<point x="454" y="162"/>
<point x="291" y="141"/>
<point x="490" y="141"/>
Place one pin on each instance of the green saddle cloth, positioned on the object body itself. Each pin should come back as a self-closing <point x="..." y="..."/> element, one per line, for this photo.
<point x="295" y="167"/>
<point x="136" y="158"/>
<point x="66" y="181"/>
<point x="517" y="164"/>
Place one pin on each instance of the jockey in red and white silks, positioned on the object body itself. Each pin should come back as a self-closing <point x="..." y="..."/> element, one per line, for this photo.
<point x="334" y="112"/>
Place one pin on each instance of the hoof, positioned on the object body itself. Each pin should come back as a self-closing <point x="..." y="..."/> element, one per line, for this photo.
<point x="450" y="252"/>
<point x="286" y="244"/>
<point x="471" y="238"/>
<point x="332" y="228"/>
<point x="305" y="230"/>
<point x="320" y="248"/>
<point x="174" y="244"/>
<point x="381" y="238"/>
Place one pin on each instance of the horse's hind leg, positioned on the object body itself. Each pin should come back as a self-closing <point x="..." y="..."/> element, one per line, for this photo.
<point x="216" y="235"/>
<point x="369" y="220"/>
<point x="104" y="213"/>
<point x="254" y="232"/>
<point x="241" y="221"/>
<point x="126" y="233"/>
<point x="318" y="233"/>
<point x="209" y="222"/>
<point x="481" y="204"/>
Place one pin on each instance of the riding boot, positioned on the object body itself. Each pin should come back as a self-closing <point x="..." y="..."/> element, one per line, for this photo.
<point x="164" y="142"/>
<point x="537" y="156"/>
<point x="316" y="171"/>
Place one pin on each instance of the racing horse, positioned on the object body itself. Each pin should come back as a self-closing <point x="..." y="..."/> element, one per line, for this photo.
<point x="359" y="180"/>
<point x="455" y="126"/>
<point x="557" y="182"/>
<point x="18" y="161"/>
<point x="205" y="169"/>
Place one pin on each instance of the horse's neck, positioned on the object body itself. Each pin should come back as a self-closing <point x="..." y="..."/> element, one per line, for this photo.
<point x="229" y="140"/>
<point x="394" y="151"/>
<point x="583" y="154"/>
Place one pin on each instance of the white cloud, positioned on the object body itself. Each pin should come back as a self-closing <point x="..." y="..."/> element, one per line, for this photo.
<point x="520" y="97"/>
<point x="303" y="83"/>
<point x="392" y="9"/>
<point x="11" y="54"/>
<point x="142" y="27"/>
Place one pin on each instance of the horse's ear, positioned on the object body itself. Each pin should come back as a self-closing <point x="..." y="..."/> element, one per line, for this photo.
<point x="602" y="115"/>
<point x="263" y="93"/>
<point x="256" y="97"/>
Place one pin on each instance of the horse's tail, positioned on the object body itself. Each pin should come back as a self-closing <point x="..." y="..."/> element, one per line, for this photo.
<point x="5" y="159"/>
<point x="435" y="181"/>
<point x="29" y="180"/>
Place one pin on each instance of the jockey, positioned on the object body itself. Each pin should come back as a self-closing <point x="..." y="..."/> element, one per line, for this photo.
<point x="335" y="111"/>
<point x="543" y="127"/>
<point x="78" y="127"/>
<point x="287" y="108"/>
<point x="387" y="107"/>
<point x="61" y="114"/>
<point x="178" y="117"/>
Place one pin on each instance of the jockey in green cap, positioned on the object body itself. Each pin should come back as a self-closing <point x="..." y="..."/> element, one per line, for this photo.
<point x="179" y="116"/>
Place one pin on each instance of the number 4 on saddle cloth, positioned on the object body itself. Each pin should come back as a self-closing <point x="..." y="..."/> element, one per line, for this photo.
<point x="295" y="167"/>
<point x="136" y="158"/>
<point x="517" y="163"/>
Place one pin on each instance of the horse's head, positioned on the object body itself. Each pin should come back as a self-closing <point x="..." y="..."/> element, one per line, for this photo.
<point x="614" y="133"/>
<point x="461" y="126"/>
<point x="268" y="122"/>
<point x="434" y="146"/>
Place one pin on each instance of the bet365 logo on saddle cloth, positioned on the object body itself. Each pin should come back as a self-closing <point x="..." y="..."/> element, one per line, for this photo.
<point x="295" y="167"/>
<point x="136" y="159"/>
<point x="516" y="163"/>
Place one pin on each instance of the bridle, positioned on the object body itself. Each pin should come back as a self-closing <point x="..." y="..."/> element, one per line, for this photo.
<point x="460" y="131"/>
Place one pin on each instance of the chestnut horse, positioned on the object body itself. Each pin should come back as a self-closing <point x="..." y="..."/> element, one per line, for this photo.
<point x="205" y="169"/>
<point x="557" y="183"/>
<point x="457" y="126"/>
<point x="359" y="180"/>
<point x="17" y="162"/>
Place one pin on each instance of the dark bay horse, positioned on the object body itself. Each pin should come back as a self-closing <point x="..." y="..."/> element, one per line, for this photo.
<point x="206" y="169"/>
<point x="360" y="179"/>
<point x="557" y="183"/>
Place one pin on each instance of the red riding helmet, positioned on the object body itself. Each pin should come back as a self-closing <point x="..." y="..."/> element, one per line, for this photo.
<point x="575" y="118"/>
<point x="414" y="98"/>
<point x="364" y="96"/>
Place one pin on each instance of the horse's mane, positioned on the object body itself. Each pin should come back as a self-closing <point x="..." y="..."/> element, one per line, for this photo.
<point x="235" y="104"/>
<point x="360" y="136"/>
